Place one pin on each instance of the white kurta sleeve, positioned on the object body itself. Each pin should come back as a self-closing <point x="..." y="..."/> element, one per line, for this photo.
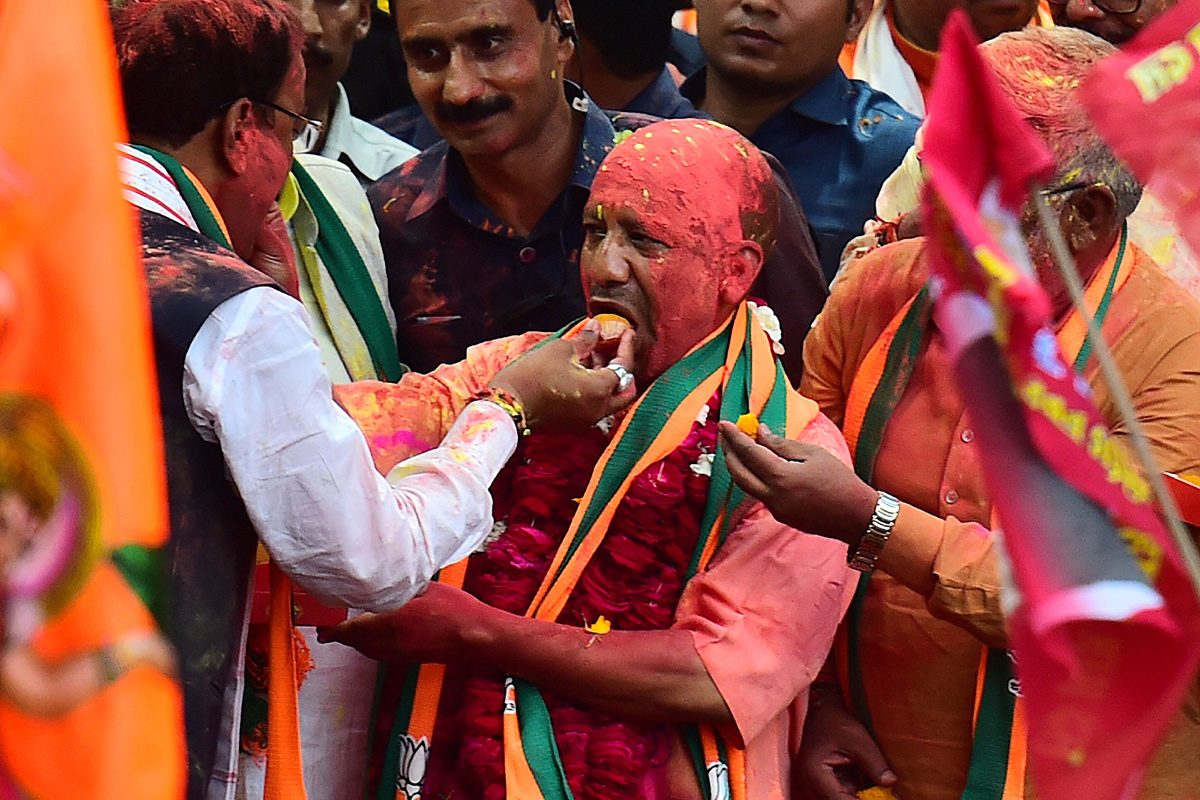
<point x="253" y="383"/>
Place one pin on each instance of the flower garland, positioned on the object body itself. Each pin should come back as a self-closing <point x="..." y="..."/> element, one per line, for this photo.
<point x="634" y="580"/>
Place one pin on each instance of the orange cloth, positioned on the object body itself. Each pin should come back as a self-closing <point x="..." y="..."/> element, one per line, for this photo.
<point x="920" y="655"/>
<point x="75" y="342"/>
<point x="922" y="61"/>
<point x="762" y="616"/>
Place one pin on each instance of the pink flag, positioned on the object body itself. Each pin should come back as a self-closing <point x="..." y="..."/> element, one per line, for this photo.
<point x="1104" y="651"/>
<point x="1145" y="100"/>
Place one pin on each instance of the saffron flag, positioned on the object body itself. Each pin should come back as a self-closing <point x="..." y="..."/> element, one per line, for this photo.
<point x="88" y="704"/>
<point x="1145" y="101"/>
<point x="1103" y="650"/>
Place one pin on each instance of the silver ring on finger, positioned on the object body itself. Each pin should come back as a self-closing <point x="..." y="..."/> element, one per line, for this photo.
<point x="624" y="376"/>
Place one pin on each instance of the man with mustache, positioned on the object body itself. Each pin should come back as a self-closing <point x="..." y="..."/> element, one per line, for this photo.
<point x="481" y="232"/>
<point x="696" y="643"/>
<point x="331" y="29"/>
<point x="773" y="75"/>
<point x="624" y="50"/>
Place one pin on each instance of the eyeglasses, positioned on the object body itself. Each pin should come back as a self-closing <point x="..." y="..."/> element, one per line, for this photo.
<point x="1067" y="188"/>
<point x="1107" y="6"/>
<point x="301" y="125"/>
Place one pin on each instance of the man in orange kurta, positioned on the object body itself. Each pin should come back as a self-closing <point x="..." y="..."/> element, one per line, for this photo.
<point x="934" y="598"/>
<point x="920" y="644"/>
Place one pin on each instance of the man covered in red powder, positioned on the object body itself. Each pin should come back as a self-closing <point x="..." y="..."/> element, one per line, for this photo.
<point x="256" y="449"/>
<point x="655" y="628"/>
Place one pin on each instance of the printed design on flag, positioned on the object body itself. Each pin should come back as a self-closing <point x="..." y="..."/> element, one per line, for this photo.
<point x="1046" y="356"/>
<point x="50" y="550"/>
<point x="1076" y="423"/>
<point x="414" y="755"/>
<point x="1147" y="552"/>
<point x="49" y="525"/>
<point x="1166" y="68"/>
<point x="718" y="781"/>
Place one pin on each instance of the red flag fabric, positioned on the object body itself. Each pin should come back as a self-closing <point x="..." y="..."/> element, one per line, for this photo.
<point x="1145" y="100"/>
<point x="88" y="704"/>
<point x="1103" y="663"/>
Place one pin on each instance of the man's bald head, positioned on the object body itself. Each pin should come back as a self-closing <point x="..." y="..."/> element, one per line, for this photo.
<point x="705" y="177"/>
<point x="681" y="216"/>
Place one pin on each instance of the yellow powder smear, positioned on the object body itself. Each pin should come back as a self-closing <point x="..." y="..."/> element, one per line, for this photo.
<point x="877" y="793"/>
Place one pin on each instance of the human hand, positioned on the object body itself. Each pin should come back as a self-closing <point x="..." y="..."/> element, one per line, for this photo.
<point x="804" y="486"/>
<point x="151" y="650"/>
<point x="273" y="254"/>
<point x="435" y="627"/>
<point x="565" y="384"/>
<point x="837" y="758"/>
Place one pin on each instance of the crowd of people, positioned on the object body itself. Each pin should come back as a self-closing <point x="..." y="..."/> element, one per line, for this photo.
<point x="472" y="371"/>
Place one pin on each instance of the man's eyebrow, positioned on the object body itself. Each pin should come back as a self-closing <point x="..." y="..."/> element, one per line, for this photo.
<point x="483" y="31"/>
<point x="418" y="41"/>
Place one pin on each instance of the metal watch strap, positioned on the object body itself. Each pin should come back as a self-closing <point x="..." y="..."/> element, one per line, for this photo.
<point x="887" y="509"/>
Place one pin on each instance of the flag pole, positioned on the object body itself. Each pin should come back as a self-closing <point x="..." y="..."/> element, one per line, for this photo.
<point x="1119" y="392"/>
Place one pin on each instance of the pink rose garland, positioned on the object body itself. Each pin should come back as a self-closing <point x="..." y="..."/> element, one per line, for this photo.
<point x="634" y="580"/>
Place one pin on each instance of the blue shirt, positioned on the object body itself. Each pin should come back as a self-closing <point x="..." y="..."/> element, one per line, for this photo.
<point x="662" y="98"/>
<point x="839" y="141"/>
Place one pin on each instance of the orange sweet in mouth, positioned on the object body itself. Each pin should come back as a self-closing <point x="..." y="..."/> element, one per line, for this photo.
<point x="611" y="326"/>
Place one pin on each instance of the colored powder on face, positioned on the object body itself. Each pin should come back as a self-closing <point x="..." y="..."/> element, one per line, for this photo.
<point x="694" y="167"/>
<point x="705" y="192"/>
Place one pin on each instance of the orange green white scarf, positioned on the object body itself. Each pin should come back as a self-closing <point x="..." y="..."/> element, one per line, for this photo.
<point x="737" y="359"/>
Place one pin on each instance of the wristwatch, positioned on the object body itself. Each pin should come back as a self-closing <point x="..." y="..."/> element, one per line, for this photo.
<point x="887" y="509"/>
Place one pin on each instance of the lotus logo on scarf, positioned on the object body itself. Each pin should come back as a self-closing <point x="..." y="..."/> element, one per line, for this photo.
<point x="410" y="778"/>
<point x="718" y="781"/>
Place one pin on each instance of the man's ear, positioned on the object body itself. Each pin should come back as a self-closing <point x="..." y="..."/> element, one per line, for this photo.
<point x="566" y="44"/>
<point x="860" y="11"/>
<point x="1089" y="216"/>
<point x="362" y="25"/>
<point x="742" y="266"/>
<point x="233" y="141"/>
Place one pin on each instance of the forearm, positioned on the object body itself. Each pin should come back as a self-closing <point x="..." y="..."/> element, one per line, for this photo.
<point x="912" y="549"/>
<point x="253" y="381"/>
<point x="374" y="544"/>
<point x="49" y="690"/>
<point x="649" y="675"/>
<point x="952" y="564"/>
